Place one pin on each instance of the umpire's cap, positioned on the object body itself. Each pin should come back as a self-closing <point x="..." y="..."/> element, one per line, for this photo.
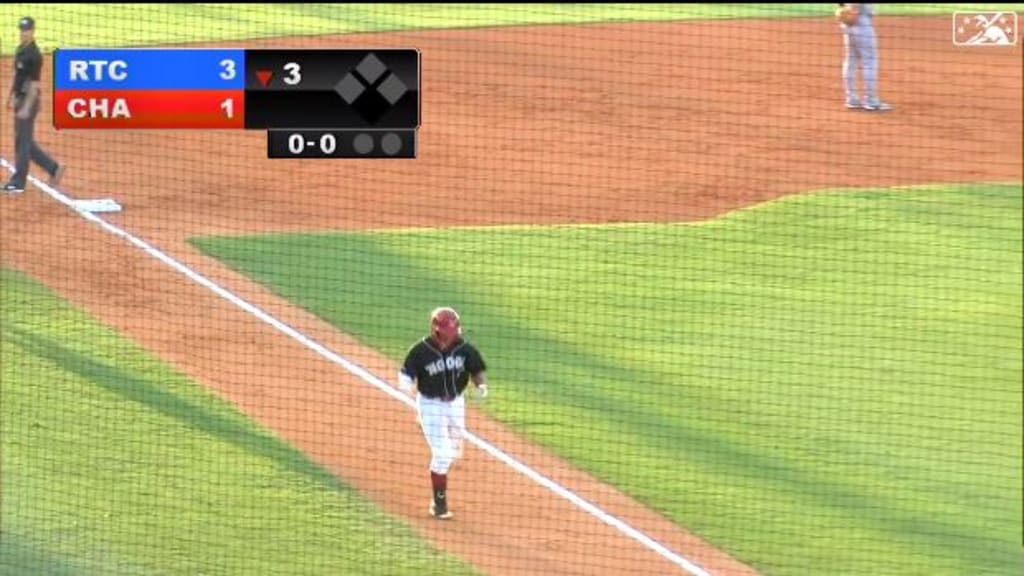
<point x="26" y="23"/>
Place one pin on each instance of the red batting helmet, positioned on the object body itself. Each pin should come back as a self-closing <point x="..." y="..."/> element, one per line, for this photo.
<point x="445" y="326"/>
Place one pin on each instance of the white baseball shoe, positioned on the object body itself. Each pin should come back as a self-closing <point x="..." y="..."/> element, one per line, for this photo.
<point x="877" y="106"/>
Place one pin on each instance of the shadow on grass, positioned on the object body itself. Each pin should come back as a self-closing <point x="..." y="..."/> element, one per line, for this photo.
<point x="885" y="509"/>
<point x="18" y="558"/>
<point x="153" y="395"/>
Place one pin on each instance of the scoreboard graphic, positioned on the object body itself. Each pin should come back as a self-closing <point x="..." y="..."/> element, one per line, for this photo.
<point x="331" y="103"/>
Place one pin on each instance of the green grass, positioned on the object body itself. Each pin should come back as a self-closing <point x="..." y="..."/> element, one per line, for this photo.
<point x="829" y="383"/>
<point x="113" y="464"/>
<point x="95" y="25"/>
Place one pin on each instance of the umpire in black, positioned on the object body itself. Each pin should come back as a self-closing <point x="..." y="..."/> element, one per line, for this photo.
<point x="23" y="100"/>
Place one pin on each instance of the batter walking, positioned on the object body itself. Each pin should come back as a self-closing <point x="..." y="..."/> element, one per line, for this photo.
<point x="860" y="44"/>
<point x="440" y="366"/>
<point x="24" y="101"/>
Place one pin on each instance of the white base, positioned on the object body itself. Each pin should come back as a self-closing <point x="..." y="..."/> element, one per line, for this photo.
<point x="97" y="205"/>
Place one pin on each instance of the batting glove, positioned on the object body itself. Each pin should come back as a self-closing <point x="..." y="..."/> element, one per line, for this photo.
<point x="481" y="391"/>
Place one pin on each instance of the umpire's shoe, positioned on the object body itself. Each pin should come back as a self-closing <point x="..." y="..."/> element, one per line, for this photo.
<point x="440" y="512"/>
<point x="57" y="175"/>
<point x="13" y="189"/>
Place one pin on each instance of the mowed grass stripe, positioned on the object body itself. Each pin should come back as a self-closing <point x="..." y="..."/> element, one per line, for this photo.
<point x="111" y="25"/>
<point x="826" y="380"/>
<point x="113" y="463"/>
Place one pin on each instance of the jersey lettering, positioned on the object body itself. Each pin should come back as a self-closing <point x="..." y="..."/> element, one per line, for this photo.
<point x="456" y="363"/>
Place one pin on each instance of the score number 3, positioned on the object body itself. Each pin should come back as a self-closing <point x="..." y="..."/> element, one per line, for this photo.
<point x="294" y="73"/>
<point x="227" y="69"/>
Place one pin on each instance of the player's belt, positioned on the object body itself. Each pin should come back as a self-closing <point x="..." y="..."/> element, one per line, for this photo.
<point x="442" y="398"/>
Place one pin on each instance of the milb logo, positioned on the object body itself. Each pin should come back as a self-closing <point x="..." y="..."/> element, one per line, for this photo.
<point x="371" y="88"/>
<point x="985" y="28"/>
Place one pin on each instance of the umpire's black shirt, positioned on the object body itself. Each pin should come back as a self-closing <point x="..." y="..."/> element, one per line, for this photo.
<point x="442" y="375"/>
<point x="28" y="65"/>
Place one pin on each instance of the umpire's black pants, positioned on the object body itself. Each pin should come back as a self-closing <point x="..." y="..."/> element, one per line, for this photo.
<point x="26" y="149"/>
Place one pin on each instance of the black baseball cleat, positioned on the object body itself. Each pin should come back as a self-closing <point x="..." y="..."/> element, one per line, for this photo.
<point x="440" y="512"/>
<point x="58" y="175"/>
<point x="13" y="189"/>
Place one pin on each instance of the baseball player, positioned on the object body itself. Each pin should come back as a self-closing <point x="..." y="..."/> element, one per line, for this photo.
<point x="440" y="366"/>
<point x="24" y="101"/>
<point x="861" y="47"/>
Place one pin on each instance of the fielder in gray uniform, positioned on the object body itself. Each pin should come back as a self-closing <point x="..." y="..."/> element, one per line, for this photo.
<point x="861" y="47"/>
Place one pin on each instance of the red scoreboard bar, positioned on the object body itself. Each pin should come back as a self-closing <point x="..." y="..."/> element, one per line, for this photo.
<point x="149" y="109"/>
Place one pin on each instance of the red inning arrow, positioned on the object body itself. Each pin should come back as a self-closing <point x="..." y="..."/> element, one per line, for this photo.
<point x="264" y="77"/>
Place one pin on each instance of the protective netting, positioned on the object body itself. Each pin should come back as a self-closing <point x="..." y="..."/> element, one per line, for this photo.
<point x="731" y="322"/>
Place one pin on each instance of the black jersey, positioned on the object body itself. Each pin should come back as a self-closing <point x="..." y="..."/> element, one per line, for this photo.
<point x="443" y="375"/>
<point x="28" y="65"/>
